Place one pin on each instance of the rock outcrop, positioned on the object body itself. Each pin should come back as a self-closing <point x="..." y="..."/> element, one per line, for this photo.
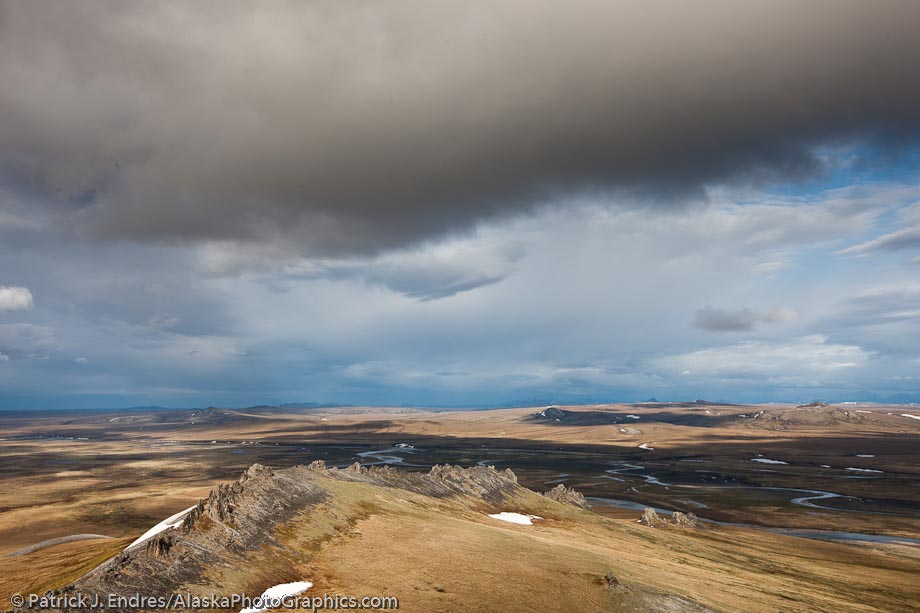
<point x="567" y="495"/>
<point x="812" y="415"/>
<point x="686" y="520"/>
<point x="652" y="519"/>
<point x="682" y="520"/>
<point x="552" y="413"/>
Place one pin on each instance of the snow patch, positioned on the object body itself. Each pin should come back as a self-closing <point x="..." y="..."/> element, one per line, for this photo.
<point x="864" y="455"/>
<point x="646" y="447"/>
<point x="273" y="596"/>
<point x="173" y="521"/>
<point x="633" y="417"/>
<point x="515" y="518"/>
<point x="863" y="470"/>
<point x="768" y="461"/>
<point x="909" y="415"/>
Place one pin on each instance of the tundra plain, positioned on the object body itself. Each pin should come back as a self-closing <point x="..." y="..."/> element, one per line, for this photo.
<point x="814" y="507"/>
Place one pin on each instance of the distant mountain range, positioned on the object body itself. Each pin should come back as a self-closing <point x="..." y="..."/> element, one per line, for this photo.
<point x="863" y="396"/>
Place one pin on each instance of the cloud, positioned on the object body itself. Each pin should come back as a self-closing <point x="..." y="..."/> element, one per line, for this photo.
<point x="27" y="340"/>
<point x="589" y="298"/>
<point x="885" y="318"/>
<point x="770" y="268"/>
<point x="908" y="238"/>
<point x="884" y="304"/>
<point x="4" y="357"/>
<point x="358" y="129"/>
<point x="429" y="272"/>
<point x="81" y="360"/>
<point x="737" y="320"/>
<point x="14" y="298"/>
<point x="11" y="221"/>
<point x="807" y="356"/>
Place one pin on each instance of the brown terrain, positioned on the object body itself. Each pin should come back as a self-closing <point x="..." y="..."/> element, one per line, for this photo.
<point x="812" y="508"/>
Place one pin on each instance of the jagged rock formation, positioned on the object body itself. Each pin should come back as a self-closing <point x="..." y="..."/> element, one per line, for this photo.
<point x="483" y="482"/>
<point x="683" y="520"/>
<point x="567" y="495"/>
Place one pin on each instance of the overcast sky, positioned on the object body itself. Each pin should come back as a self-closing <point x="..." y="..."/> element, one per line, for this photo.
<point x="415" y="202"/>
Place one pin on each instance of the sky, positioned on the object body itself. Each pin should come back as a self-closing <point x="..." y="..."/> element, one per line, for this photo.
<point x="433" y="203"/>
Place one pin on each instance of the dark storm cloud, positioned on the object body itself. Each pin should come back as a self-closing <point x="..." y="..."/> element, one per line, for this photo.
<point x="354" y="127"/>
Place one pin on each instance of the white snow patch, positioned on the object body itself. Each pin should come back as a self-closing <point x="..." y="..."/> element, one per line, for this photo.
<point x="646" y="447"/>
<point x="173" y="521"/>
<point x="633" y="417"/>
<point x="515" y="518"/>
<point x="909" y="415"/>
<point x="768" y="461"/>
<point x="864" y="455"/>
<point x="825" y="466"/>
<point x="272" y="597"/>
<point x="863" y="470"/>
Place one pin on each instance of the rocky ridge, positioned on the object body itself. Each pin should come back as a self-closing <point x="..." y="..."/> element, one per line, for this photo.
<point x="245" y="517"/>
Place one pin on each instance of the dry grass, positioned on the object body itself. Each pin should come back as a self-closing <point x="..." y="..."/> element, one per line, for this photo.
<point x="54" y="567"/>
